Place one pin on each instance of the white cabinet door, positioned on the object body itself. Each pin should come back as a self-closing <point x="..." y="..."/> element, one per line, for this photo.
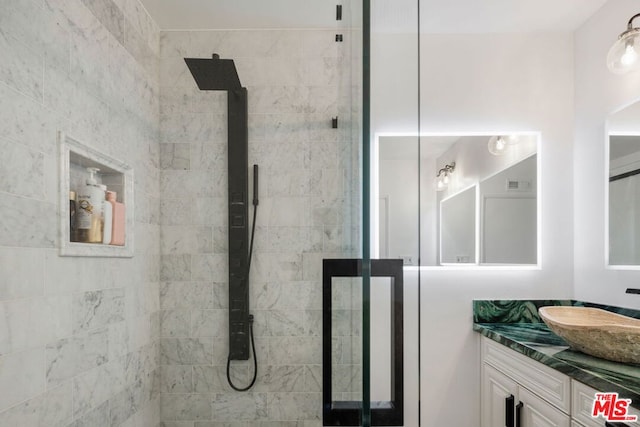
<point x="496" y="389"/>
<point x="535" y="412"/>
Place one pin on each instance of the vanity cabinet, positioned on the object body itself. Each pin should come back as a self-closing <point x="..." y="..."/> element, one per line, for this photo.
<point x="515" y="387"/>
<point x="519" y="392"/>
<point x="507" y="403"/>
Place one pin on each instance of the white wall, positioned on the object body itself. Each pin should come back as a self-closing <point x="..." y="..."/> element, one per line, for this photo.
<point x="487" y="83"/>
<point x="598" y="94"/>
<point x="474" y="84"/>
<point x="394" y="83"/>
<point x="78" y="336"/>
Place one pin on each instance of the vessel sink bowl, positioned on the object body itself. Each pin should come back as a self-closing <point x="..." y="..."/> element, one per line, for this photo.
<point x="596" y="332"/>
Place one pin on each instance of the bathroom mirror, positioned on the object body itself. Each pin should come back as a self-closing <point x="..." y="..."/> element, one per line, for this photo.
<point x="623" y="177"/>
<point x="624" y="199"/>
<point x="467" y="199"/>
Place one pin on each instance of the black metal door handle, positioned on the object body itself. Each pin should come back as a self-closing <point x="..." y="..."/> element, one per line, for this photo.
<point x="519" y="407"/>
<point x="508" y="410"/>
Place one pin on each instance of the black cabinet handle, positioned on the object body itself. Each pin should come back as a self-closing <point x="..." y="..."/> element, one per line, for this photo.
<point x="519" y="407"/>
<point x="508" y="410"/>
<point x="608" y="424"/>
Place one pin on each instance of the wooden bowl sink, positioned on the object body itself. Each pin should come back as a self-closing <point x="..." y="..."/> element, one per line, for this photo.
<point x="596" y="332"/>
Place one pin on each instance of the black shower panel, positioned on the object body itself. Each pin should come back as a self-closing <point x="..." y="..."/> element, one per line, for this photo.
<point x="221" y="74"/>
<point x="238" y="161"/>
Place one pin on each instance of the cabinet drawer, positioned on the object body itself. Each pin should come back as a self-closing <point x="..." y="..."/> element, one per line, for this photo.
<point x="582" y="402"/>
<point x="547" y="383"/>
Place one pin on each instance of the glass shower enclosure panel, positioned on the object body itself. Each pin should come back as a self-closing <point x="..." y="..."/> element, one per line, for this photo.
<point x="394" y="229"/>
<point x="344" y="242"/>
<point x="370" y="273"/>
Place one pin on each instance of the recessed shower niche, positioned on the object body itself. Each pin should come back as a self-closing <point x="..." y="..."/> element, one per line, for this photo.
<point x="76" y="159"/>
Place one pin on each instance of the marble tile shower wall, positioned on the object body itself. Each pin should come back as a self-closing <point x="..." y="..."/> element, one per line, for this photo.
<point x="297" y="81"/>
<point x="78" y="336"/>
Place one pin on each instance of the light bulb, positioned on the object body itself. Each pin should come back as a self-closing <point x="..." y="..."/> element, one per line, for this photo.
<point x="630" y="55"/>
<point x="445" y="180"/>
<point x="623" y="56"/>
<point x="499" y="144"/>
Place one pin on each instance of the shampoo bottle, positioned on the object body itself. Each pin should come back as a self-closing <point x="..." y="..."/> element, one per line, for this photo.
<point x="89" y="210"/>
<point x="117" y="230"/>
<point x="108" y="219"/>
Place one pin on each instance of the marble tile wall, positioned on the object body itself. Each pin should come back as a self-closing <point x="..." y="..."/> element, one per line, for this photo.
<point x="78" y="336"/>
<point x="297" y="81"/>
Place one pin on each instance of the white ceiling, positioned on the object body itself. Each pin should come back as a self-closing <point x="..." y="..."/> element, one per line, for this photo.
<point x="506" y="16"/>
<point x="438" y="16"/>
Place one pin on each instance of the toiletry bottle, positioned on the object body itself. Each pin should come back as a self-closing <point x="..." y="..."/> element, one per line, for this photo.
<point x="73" y="235"/>
<point x="108" y="218"/>
<point x="97" y="220"/>
<point x="98" y="230"/>
<point x="89" y="210"/>
<point x="117" y="230"/>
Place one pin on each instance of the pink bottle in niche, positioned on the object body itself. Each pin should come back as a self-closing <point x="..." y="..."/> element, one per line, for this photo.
<point x="117" y="230"/>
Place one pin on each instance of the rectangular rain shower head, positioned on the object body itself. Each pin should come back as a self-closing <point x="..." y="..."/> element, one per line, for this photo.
<point x="214" y="73"/>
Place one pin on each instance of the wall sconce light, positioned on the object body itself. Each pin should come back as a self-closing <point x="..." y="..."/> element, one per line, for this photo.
<point x="499" y="144"/>
<point x="442" y="177"/>
<point x="623" y="55"/>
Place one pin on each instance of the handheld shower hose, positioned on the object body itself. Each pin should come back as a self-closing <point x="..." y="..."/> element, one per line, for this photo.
<point x="253" y="343"/>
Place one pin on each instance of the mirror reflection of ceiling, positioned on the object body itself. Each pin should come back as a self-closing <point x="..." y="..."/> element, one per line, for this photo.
<point x="404" y="147"/>
<point x="395" y="147"/>
<point x="396" y="16"/>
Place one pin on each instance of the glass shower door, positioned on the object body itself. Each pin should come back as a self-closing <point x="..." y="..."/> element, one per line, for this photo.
<point x="393" y="234"/>
<point x="343" y="283"/>
<point x="370" y="286"/>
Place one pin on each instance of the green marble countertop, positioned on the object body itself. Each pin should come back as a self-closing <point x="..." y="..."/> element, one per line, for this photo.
<point x="516" y="324"/>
